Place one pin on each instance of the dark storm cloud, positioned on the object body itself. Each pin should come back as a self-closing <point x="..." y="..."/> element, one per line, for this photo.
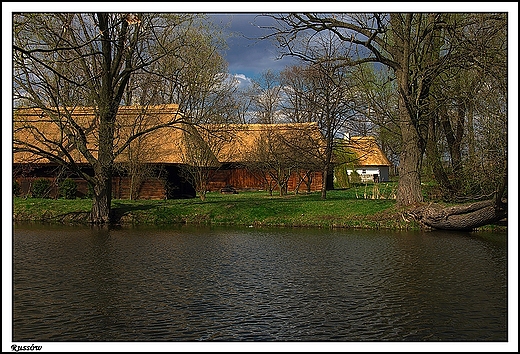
<point x="248" y="53"/>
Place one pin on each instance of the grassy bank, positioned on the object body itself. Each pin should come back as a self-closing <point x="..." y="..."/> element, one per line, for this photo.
<point x="358" y="207"/>
<point x="342" y="208"/>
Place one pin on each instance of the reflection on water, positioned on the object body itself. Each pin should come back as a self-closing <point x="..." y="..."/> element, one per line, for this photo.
<point x="245" y="284"/>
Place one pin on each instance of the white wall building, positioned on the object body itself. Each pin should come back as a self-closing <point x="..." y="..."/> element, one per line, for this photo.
<point x="369" y="162"/>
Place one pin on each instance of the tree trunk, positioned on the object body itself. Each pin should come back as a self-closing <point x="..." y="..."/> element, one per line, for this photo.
<point x="454" y="140"/>
<point x="409" y="187"/>
<point x="465" y="217"/>
<point x="471" y="136"/>
<point x="433" y="159"/>
<point x="101" y="200"/>
<point x="103" y="168"/>
<point x="108" y="105"/>
<point x="324" y="182"/>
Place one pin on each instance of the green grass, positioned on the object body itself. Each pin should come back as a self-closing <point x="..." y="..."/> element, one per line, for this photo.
<point x="362" y="206"/>
<point x="342" y="208"/>
<point x="63" y="210"/>
<point x="254" y="208"/>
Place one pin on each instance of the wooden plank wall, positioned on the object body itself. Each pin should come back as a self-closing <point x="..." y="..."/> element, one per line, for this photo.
<point x="242" y="179"/>
<point x="154" y="188"/>
<point x="150" y="189"/>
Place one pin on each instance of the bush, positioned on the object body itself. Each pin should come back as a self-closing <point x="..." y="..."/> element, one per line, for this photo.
<point x="355" y="177"/>
<point x="341" y="177"/>
<point x="41" y="188"/>
<point x="68" y="189"/>
<point x="17" y="189"/>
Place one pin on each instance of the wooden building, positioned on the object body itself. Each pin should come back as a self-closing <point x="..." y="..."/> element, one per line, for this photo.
<point x="153" y="158"/>
<point x="155" y="165"/>
<point x="258" y="154"/>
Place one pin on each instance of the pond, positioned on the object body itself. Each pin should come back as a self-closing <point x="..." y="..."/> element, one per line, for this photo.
<point x="155" y="284"/>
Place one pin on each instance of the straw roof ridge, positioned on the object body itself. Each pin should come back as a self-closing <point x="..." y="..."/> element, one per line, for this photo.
<point x="368" y="152"/>
<point x="290" y="126"/>
<point x="38" y="113"/>
<point x="162" y="145"/>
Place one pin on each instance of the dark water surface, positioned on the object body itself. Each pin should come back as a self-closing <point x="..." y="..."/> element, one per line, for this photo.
<point x="247" y="284"/>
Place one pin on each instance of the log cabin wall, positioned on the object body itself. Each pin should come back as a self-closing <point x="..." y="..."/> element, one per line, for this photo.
<point x="242" y="179"/>
<point x="155" y="188"/>
<point x="152" y="188"/>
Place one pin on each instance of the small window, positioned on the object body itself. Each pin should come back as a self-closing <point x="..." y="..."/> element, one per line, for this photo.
<point x="364" y="171"/>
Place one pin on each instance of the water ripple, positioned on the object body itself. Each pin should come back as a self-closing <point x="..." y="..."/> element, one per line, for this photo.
<point x="256" y="285"/>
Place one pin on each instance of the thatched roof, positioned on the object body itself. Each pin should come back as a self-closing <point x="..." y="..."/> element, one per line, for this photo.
<point x="179" y="143"/>
<point x="247" y="139"/>
<point x="367" y="151"/>
<point x="46" y="130"/>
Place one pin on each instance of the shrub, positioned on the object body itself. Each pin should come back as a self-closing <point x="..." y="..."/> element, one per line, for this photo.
<point x="355" y="177"/>
<point x="341" y="177"/>
<point x="68" y="189"/>
<point x="41" y="188"/>
<point x="17" y="189"/>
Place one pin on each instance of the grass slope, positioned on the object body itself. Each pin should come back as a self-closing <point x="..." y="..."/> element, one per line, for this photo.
<point x="342" y="208"/>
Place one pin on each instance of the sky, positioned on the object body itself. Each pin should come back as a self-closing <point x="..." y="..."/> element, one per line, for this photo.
<point x="247" y="56"/>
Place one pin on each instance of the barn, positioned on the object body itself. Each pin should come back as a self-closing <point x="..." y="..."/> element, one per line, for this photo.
<point x="260" y="156"/>
<point x="148" y="169"/>
<point x="157" y="165"/>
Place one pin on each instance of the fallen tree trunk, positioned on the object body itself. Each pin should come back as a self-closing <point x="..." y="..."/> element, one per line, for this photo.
<point x="464" y="217"/>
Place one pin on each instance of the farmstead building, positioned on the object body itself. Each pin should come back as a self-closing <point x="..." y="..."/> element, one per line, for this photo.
<point x="368" y="160"/>
<point x="161" y="164"/>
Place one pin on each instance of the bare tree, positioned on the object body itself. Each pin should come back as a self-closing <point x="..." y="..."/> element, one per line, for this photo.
<point x="66" y="60"/>
<point x="199" y="162"/>
<point x="320" y="93"/>
<point x="208" y="102"/>
<point x="134" y="160"/>
<point x="376" y="100"/>
<point x="266" y="95"/>
<point x="279" y="152"/>
<point x="418" y="48"/>
<point x="274" y="158"/>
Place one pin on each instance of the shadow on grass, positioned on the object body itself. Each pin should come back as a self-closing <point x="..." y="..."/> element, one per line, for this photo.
<point x="121" y="209"/>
